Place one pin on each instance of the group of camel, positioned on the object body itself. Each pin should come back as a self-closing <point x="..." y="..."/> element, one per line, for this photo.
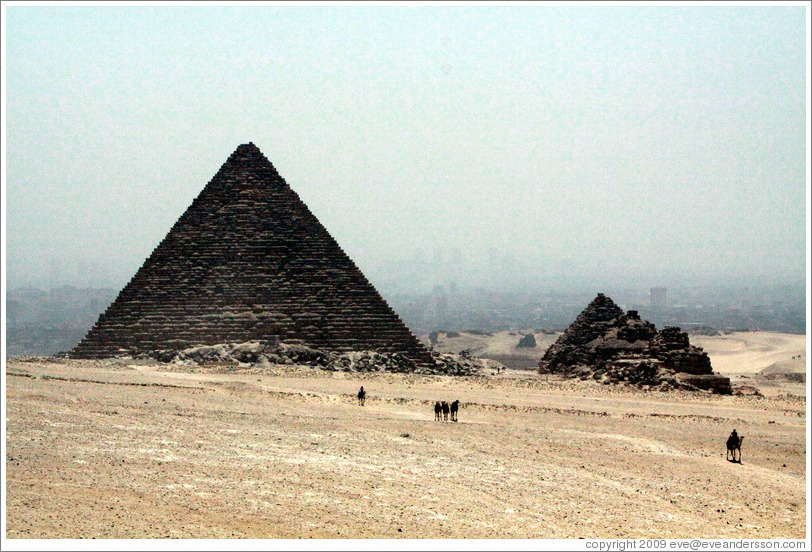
<point x="441" y="409"/>
<point x="444" y="409"/>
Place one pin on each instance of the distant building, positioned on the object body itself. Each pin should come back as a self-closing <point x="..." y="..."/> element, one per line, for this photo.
<point x="658" y="297"/>
<point x="440" y="307"/>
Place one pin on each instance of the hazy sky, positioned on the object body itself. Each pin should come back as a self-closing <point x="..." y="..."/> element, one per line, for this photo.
<point x="648" y="144"/>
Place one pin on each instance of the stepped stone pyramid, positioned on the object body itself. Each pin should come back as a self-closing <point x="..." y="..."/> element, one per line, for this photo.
<point x="606" y="344"/>
<point x="248" y="261"/>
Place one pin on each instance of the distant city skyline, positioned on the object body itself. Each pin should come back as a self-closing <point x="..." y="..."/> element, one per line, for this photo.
<point x="422" y="273"/>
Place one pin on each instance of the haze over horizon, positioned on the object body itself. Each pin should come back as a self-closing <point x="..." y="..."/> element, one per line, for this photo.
<point x="489" y="146"/>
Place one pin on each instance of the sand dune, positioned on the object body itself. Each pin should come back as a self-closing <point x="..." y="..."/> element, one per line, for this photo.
<point x="751" y="352"/>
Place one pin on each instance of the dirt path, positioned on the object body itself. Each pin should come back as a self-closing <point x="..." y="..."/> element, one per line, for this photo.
<point x="115" y="451"/>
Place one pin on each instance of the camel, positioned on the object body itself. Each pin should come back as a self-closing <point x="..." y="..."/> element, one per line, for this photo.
<point x="437" y="409"/>
<point x="734" y="443"/>
<point x="362" y="396"/>
<point x="454" y="407"/>
<point x="445" y="411"/>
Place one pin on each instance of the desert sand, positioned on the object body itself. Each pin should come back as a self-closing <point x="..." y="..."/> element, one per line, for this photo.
<point x="118" y="449"/>
<point x="753" y="352"/>
<point x="499" y="346"/>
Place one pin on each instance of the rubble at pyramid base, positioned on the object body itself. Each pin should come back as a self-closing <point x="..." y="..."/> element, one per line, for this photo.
<point x="259" y="354"/>
<point x="647" y="374"/>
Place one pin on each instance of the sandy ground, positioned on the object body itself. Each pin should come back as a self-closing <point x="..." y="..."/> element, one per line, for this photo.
<point x="764" y="360"/>
<point x="107" y="450"/>
<point x="499" y="346"/>
<point x="751" y="352"/>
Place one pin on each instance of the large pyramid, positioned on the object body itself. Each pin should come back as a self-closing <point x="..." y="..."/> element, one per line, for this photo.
<point x="248" y="261"/>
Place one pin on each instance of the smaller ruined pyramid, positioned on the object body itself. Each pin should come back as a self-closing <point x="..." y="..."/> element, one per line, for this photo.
<point x="246" y="262"/>
<point x="606" y="344"/>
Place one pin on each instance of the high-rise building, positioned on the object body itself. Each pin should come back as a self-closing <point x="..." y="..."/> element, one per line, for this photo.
<point x="658" y="297"/>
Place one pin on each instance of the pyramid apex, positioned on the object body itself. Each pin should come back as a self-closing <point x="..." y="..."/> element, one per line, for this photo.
<point x="601" y="298"/>
<point x="249" y="155"/>
<point x="250" y="146"/>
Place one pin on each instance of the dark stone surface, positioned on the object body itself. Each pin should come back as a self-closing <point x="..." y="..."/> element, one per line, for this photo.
<point x="248" y="261"/>
<point x="528" y="341"/>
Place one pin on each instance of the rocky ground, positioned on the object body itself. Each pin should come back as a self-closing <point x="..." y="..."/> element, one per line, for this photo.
<point x="100" y="449"/>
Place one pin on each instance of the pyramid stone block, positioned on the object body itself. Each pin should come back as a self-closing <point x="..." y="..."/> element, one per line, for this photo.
<point x="248" y="261"/>
<point x="606" y="344"/>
